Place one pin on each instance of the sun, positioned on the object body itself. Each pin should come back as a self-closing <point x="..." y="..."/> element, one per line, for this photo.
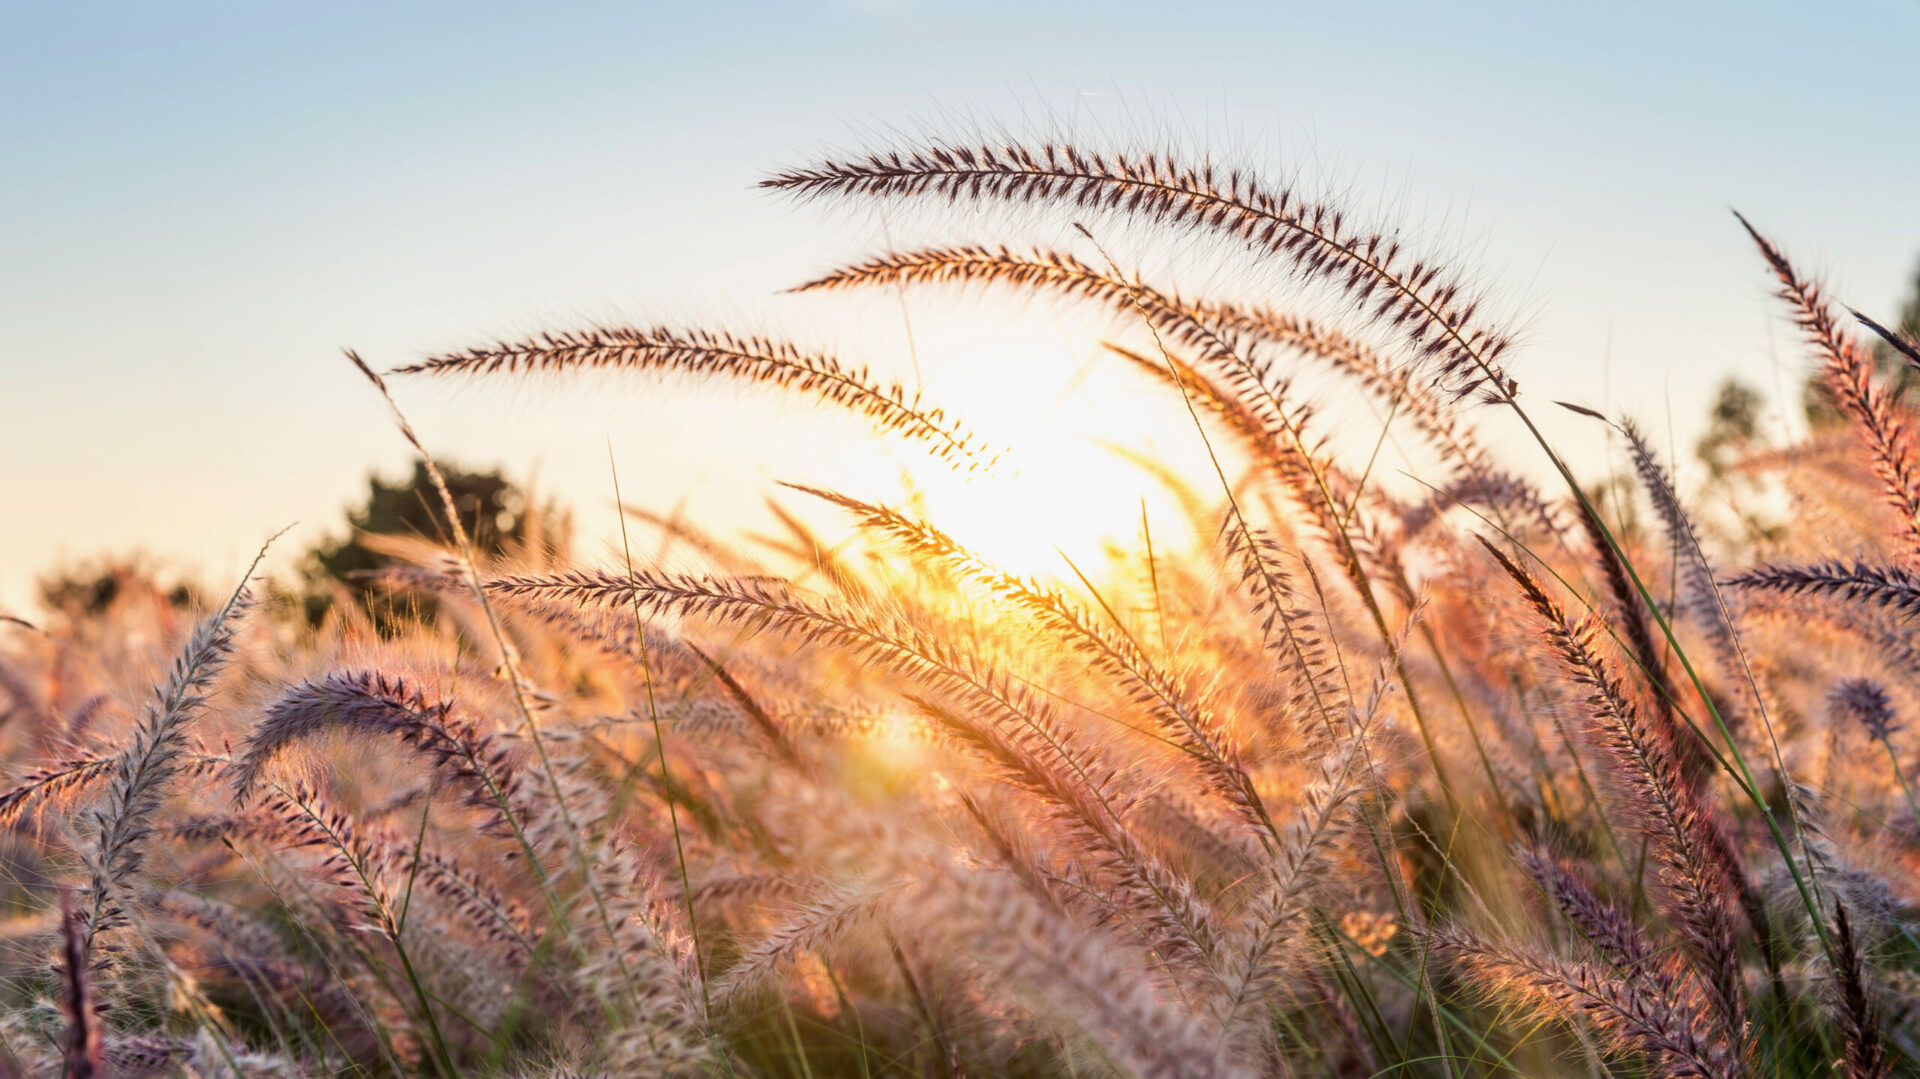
<point x="1077" y="481"/>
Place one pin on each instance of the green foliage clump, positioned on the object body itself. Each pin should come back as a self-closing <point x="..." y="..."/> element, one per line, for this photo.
<point x="497" y="513"/>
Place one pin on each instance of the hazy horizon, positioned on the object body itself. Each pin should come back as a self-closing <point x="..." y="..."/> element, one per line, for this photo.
<point x="203" y="205"/>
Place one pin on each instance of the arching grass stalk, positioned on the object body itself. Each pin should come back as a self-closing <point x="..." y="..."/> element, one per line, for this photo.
<point x="1353" y="565"/>
<point x="660" y="744"/>
<point x="470" y="560"/>
<point x="390" y="925"/>
<point x="143" y="772"/>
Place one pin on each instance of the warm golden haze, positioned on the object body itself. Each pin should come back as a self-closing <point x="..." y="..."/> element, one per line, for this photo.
<point x="1302" y="766"/>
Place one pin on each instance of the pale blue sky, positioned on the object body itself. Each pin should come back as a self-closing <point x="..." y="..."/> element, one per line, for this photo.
<point x="201" y="203"/>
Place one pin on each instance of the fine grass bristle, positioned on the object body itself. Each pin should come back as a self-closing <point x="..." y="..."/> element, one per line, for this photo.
<point x="709" y="353"/>
<point x="1439" y="319"/>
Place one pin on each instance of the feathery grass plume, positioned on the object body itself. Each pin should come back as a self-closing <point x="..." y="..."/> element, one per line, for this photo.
<point x="743" y="887"/>
<point x="1889" y="634"/>
<point x="1015" y="729"/>
<point x="632" y="956"/>
<point x="654" y="653"/>
<point x="361" y="867"/>
<point x="1630" y="617"/>
<point x="814" y="926"/>
<point x="147" y="766"/>
<point x="1256" y="956"/>
<point x="719" y="354"/>
<point x="1017" y="850"/>
<point x="1092" y="803"/>
<point x="1847" y="372"/>
<point x="1334" y="501"/>
<point x="1906" y="346"/>
<point x="1041" y="802"/>
<point x="1207" y="327"/>
<point x="1431" y="413"/>
<point x="1629" y="610"/>
<point x="1858" y="1011"/>
<point x="203" y="1057"/>
<point x="1700" y="597"/>
<point x="774" y="731"/>
<point x="1254" y="405"/>
<point x="474" y="898"/>
<point x="1187" y="827"/>
<point x="250" y="949"/>
<point x="374" y="702"/>
<point x="643" y="968"/>
<point x="145" y="1054"/>
<point x="1701" y="593"/>
<point x="1632" y="1019"/>
<point x="676" y="530"/>
<point x="1439" y="319"/>
<point x="663" y="1029"/>
<point x="992" y="921"/>
<point x="1894" y="590"/>
<point x="1116" y="653"/>
<point x="669" y="658"/>
<point x="1864" y="703"/>
<point x="1294" y="633"/>
<point x="80" y="721"/>
<point x="1697" y="871"/>
<point x="368" y="869"/>
<point x="53" y="784"/>
<point x="1274" y="435"/>
<point x="1606" y="928"/>
<point x="83" y="1025"/>
<point x="1513" y="500"/>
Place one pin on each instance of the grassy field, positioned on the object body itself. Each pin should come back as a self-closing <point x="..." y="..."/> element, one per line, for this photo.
<point x="1492" y="776"/>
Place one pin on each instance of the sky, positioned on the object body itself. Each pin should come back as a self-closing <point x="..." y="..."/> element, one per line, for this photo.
<point x="202" y="204"/>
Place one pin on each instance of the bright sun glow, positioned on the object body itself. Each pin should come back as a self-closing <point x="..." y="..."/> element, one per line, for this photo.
<point x="1077" y="501"/>
<point x="1066" y="417"/>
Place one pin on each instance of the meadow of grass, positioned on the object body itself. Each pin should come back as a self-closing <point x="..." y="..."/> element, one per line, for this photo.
<point x="1475" y="779"/>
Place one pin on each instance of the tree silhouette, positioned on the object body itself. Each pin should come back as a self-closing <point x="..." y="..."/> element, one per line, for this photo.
<point x="495" y="511"/>
<point x="1732" y="423"/>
